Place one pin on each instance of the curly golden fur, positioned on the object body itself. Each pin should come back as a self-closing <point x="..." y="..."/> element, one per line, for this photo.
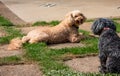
<point x="15" y="44"/>
<point x="66" y="31"/>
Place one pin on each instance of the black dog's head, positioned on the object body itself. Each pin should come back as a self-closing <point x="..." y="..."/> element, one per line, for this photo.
<point x="102" y="23"/>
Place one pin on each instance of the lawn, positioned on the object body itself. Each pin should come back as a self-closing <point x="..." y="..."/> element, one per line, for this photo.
<point x="51" y="61"/>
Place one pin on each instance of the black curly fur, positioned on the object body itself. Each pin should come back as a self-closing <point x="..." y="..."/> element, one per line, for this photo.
<point x="109" y="47"/>
<point x="100" y="23"/>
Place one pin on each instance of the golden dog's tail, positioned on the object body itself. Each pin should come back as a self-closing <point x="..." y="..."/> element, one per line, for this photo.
<point x="15" y="44"/>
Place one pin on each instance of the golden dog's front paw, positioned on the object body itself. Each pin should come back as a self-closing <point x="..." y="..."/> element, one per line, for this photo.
<point x="75" y="40"/>
<point x="33" y="41"/>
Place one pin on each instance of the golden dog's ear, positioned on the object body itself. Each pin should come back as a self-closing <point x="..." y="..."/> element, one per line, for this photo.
<point x="69" y="20"/>
<point x="83" y="18"/>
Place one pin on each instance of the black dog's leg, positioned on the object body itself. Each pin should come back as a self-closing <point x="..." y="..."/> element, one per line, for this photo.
<point x="103" y="59"/>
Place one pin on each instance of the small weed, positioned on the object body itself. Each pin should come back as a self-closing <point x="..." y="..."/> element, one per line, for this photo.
<point x="117" y="26"/>
<point x="116" y="18"/>
<point x="5" y="22"/>
<point x="44" y="23"/>
<point x="9" y="60"/>
<point x="90" y="20"/>
<point x="41" y="23"/>
<point x="54" y="23"/>
<point x="84" y="32"/>
<point x="11" y="33"/>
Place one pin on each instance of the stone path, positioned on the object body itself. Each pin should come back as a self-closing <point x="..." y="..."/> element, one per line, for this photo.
<point x="86" y="64"/>
<point x="20" y="70"/>
<point x="6" y="53"/>
<point x="17" y="70"/>
<point x="65" y="45"/>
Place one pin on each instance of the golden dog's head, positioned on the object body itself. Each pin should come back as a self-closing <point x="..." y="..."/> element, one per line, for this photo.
<point x="74" y="18"/>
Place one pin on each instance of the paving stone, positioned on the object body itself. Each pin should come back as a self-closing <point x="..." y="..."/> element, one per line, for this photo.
<point x="65" y="45"/>
<point x="4" y="52"/>
<point x="20" y="70"/>
<point x="87" y="64"/>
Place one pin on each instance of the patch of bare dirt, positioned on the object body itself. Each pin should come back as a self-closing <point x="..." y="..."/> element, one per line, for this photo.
<point x="20" y="70"/>
<point x="87" y="64"/>
<point x="4" y="52"/>
<point x="86" y="26"/>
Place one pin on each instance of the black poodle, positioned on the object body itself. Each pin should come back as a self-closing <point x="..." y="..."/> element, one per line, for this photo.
<point x="109" y="45"/>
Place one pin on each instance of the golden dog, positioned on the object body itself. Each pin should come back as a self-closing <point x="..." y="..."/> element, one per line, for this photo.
<point x="66" y="31"/>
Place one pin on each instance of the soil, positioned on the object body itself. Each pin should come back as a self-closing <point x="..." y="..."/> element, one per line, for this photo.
<point x="86" y="26"/>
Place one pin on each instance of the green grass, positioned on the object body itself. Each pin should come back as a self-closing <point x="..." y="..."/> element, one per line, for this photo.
<point x="91" y="20"/>
<point x="10" y="60"/>
<point x="115" y="19"/>
<point x="51" y="60"/>
<point x="118" y="26"/>
<point x="11" y="33"/>
<point x="5" y="22"/>
<point x="84" y="32"/>
<point x="44" y="23"/>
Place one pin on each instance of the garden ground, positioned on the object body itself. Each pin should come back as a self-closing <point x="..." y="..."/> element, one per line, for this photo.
<point x="67" y="59"/>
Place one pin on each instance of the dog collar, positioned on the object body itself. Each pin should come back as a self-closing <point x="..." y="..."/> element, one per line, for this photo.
<point x="106" y="28"/>
<point x="76" y="27"/>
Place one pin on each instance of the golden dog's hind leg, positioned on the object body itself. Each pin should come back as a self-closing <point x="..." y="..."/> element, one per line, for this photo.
<point x="42" y="37"/>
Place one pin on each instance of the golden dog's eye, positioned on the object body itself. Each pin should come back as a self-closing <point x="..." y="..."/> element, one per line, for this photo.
<point x="75" y="15"/>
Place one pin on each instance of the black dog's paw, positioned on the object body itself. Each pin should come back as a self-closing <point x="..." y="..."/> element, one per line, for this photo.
<point x="102" y="70"/>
